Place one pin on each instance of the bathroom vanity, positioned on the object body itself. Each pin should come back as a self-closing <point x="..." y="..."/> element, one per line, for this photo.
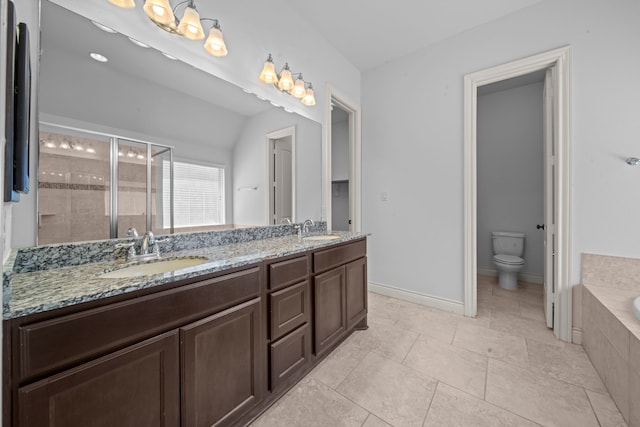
<point x="215" y="345"/>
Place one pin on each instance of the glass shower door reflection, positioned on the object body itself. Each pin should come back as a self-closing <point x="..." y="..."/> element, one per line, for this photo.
<point x="132" y="187"/>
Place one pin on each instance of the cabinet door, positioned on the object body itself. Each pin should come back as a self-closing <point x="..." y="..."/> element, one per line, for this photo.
<point x="136" y="386"/>
<point x="222" y="366"/>
<point x="356" y="291"/>
<point x="330" y="318"/>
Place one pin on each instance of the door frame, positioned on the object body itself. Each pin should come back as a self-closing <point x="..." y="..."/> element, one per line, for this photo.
<point x="560" y="58"/>
<point x="271" y="136"/>
<point x="334" y="96"/>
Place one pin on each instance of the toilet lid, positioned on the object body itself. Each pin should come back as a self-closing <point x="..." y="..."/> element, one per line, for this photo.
<point x="508" y="259"/>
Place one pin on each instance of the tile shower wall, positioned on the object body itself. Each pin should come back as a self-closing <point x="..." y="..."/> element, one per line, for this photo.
<point x="73" y="189"/>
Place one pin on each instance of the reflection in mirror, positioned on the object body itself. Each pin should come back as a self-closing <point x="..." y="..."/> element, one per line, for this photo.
<point x="143" y="95"/>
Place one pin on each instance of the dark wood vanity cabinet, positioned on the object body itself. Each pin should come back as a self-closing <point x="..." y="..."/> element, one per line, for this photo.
<point x="136" y="386"/>
<point x="216" y="350"/>
<point x="340" y="293"/>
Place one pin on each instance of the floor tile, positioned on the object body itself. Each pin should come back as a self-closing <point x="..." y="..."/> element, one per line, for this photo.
<point x="532" y="311"/>
<point x="391" y="341"/>
<point x="567" y="362"/>
<point x="428" y="322"/>
<point x="336" y="366"/>
<point x="453" y="365"/>
<point x="451" y="407"/>
<point x="537" y="397"/>
<point x="394" y="393"/>
<point x="492" y="343"/>
<point x="500" y="303"/>
<point x="516" y="325"/>
<point x="606" y="410"/>
<point x="373" y="421"/>
<point x="312" y="404"/>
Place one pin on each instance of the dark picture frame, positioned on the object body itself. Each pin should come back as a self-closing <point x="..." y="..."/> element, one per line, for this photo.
<point x="22" y="111"/>
<point x="9" y="194"/>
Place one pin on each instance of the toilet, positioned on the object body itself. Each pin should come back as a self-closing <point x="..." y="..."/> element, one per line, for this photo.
<point x="508" y="249"/>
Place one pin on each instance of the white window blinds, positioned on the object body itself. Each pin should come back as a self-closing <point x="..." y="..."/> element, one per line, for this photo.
<point x="198" y="195"/>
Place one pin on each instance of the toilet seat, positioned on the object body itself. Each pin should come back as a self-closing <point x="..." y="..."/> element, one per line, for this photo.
<point x="508" y="259"/>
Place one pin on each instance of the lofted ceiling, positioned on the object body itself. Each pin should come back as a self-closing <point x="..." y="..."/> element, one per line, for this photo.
<point x="370" y="33"/>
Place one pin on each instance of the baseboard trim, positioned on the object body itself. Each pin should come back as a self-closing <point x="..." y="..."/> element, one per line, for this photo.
<point x="576" y="335"/>
<point x="418" y="298"/>
<point x="525" y="277"/>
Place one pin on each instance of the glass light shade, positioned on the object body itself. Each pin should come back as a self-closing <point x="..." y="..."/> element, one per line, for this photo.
<point x="286" y="81"/>
<point x="298" y="89"/>
<point x="268" y="74"/>
<point x="215" y="43"/>
<point x="308" y="99"/>
<point x="159" y="11"/>
<point x="126" y="4"/>
<point x="190" y="25"/>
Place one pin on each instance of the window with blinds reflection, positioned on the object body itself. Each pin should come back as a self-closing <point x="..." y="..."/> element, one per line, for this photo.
<point x="198" y="195"/>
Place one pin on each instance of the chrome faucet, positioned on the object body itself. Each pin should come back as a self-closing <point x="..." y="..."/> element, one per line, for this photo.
<point x="305" y="226"/>
<point x="286" y="221"/>
<point x="148" y="243"/>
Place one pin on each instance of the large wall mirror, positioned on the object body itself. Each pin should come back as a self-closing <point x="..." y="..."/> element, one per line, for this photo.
<point x="143" y="95"/>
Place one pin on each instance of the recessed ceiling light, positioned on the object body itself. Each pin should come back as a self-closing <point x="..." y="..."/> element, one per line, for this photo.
<point x="139" y="43"/>
<point x="274" y="104"/>
<point x="170" y="56"/>
<point x="98" y="57"/>
<point x="104" y="27"/>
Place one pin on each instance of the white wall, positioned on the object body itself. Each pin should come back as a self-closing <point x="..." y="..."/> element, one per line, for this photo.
<point x="413" y="140"/>
<point x="250" y="160"/>
<point x="510" y="171"/>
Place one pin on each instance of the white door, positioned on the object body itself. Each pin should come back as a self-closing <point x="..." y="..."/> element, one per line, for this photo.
<point x="282" y="180"/>
<point x="550" y="170"/>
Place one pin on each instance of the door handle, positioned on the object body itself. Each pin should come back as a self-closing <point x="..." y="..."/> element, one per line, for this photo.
<point x="540" y="226"/>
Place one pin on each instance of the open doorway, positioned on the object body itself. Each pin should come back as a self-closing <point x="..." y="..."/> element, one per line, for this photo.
<point x="343" y="163"/>
<point x="558" y="227"/>
<point x="282" y="185"/>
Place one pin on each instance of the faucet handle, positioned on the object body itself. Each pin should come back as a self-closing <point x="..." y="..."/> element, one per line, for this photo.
<point x="131" y="245"/>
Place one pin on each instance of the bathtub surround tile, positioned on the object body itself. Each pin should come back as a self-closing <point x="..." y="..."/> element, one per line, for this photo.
<point x="492" y="343"/>
<point x="567" y="362"/>
<point x="634" y="399"/>
<point x="392" y="392"/>
<point x="606" y="410"/>
<point x="617" y="379"/>
<point x="453" y="365"/>
<point x="610" y="271"/>
<point x="537" y="397"/>
<point x="313" y="404"/>
<point x="454" y="408"/>
<point x="634" y="352"/>
<point x="617" y="334"/>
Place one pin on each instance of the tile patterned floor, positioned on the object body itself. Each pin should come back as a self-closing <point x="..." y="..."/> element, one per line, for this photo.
<point x="417" y="366"/>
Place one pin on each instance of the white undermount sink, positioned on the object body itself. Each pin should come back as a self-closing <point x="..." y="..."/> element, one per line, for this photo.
<point x="321" y="237"/>
<point x="636" y="307"/>
<point x="154" y="267"/>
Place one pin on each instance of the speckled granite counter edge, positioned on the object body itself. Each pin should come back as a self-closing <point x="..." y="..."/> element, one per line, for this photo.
<point x="28" y="298"/>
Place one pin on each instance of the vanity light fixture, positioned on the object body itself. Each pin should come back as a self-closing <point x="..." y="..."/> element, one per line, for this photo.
<point x="126" y="4"/>
<point x="285" y="83"/>
<point x="190" y="25"/>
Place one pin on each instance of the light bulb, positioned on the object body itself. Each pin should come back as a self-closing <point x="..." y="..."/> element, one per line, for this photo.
<point x="286" y="81"/>
<point x="159" y="11"/>
<point x="190" y="25"/>
<point x="215" y="42"/>
<point x="299" y="90"/>
<point x="268" y="74"/>
<point x="309" y="99"/>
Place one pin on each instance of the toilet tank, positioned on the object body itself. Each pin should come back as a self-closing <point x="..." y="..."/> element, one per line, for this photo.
<point x="507" y="243"/>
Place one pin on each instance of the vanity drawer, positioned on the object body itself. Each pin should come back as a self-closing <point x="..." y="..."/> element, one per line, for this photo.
<point x="288" y="272"/>
<point x="64" y="341"/>
<point x="339" y="255"/>
<point x="290" y="308"/>
<point x="289" y="355"/>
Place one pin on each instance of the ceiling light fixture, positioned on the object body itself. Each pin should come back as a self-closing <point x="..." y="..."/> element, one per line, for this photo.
<point x="190" y="25"/>
<point x="285" y="82"/>
<point x="104" y="27"/>
<point x="98" y="57"/>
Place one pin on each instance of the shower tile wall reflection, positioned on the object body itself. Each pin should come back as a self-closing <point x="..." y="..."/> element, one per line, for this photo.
<point x="73" y="189"/>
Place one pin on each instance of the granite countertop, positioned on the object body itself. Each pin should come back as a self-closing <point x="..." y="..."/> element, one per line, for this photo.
<point x="39" y="291"/>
